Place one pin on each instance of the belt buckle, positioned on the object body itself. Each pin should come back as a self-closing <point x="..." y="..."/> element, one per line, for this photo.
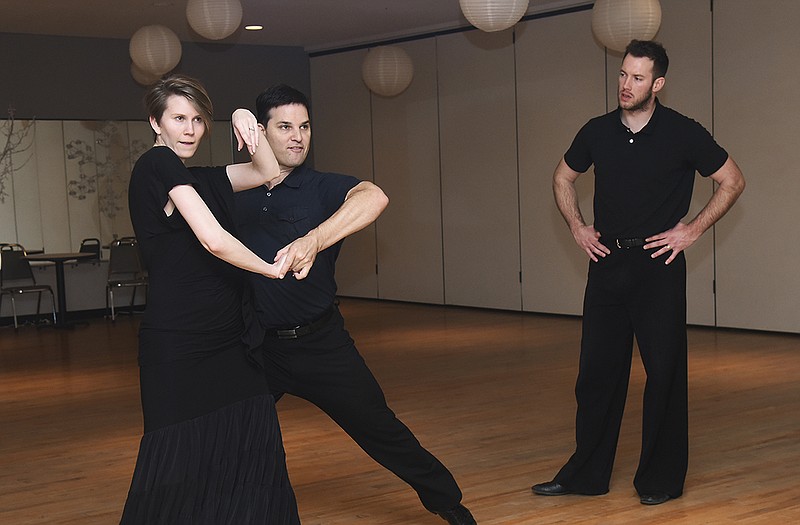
<point x="290" y="333"/>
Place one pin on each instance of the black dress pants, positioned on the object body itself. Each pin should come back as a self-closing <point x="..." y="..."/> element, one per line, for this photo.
<point x="629" y="294"/>
<point x="326" y="369"/>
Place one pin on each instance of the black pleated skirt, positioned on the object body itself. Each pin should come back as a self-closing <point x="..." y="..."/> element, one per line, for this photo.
<point x="212" y="452"/>
<point x="223" y="468"/>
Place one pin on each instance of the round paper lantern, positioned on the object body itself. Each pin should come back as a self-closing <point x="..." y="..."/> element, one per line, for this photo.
<point x="616" y="22"/>
<point x="155" y="49"/>
<point x="214" y="19"/>
<point x="387" y="70"/>
<point x="493" y="15"/>
<point x="143" y="77"/>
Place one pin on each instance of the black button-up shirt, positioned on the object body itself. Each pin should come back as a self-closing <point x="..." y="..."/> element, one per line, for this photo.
<point x="644" y="180"/>
<point x="268" y="220"/>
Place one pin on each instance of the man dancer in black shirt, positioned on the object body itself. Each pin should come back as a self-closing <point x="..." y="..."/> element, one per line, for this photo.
<point x="304" y="215"/>
<point x="645" y="156"/>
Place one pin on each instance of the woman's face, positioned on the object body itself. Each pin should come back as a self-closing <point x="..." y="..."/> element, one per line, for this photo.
<point x="181" y="127"/>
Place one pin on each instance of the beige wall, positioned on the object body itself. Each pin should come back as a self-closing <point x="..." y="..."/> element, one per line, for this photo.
<point x="502" y="109"/>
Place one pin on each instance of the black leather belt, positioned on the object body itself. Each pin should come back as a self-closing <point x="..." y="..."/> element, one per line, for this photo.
<point x="634" y="242"/>
<point x="300" y="331"/>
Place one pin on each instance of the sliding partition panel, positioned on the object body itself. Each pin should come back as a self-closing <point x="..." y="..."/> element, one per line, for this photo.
<point x="560" y="85"/>
<point x="342" y="142"/>
<point x="479" y="169"/>
<point x="755" y="86"/>
<point x="85" y="168"/>
<point x="406" y="140"/>
<point x="51" y="169"/>
<point x="19" y="201"/>
<point x="686" y="35"/>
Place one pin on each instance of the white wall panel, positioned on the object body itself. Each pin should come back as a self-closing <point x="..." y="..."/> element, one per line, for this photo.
<point x="51" y="166"/>
<point x="83" y="170"/>
<point x="553" y="267"/>
<point x="341" y="119"/>
<point x="406" y="138"/>
<point x="755" y="84"/>
<point x="25" y="197"/>
<point x="478" y="137"/>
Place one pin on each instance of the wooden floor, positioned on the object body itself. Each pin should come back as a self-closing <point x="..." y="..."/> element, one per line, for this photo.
<point x="490" y="393"/>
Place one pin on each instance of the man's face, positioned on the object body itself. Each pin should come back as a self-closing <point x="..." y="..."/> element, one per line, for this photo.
<point x="636" y="83"/>
<point x="289" y="135"/>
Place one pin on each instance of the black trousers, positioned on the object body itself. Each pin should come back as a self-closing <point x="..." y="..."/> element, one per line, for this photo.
<point x="326" y="369"/>
<point x="629" y="294"/>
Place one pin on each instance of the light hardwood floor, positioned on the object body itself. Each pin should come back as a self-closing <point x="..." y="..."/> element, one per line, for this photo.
<point x="490" y="393"/>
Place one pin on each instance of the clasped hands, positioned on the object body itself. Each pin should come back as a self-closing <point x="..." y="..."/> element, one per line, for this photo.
<point x="297" y="257"/>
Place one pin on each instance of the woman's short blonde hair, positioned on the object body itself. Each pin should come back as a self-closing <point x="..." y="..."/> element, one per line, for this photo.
<point x="155" y="100"/>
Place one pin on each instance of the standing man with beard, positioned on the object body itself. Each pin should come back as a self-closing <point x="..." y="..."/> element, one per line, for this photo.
<point x="645" y="156"/>
<point x="304" y="215"/>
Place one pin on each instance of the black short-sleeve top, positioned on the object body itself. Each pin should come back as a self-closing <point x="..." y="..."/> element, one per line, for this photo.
<point x="269" y="219"/>
<point x="644" y="180"/>
<point x="193" y="295"/>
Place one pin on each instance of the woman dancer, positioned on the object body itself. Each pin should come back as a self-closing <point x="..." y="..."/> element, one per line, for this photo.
<point x="211" y="453"/>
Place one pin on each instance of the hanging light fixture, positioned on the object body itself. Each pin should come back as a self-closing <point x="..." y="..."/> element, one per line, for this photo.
<point x="142" y="77"/>
<point x="616" y="22"/>
<point x="493" y="15"/>
<point x="155" y="49"/>
<point x="387" y="70"/>
<point x="214" y="19"/>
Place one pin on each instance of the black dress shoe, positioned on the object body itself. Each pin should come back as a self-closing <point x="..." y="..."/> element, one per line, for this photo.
<point x="552" y="488"/>
<point x="458" y="515"/>
<point x="654" y="499"/>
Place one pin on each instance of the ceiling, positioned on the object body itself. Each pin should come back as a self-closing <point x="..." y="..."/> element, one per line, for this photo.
<point x="314" y="25"/>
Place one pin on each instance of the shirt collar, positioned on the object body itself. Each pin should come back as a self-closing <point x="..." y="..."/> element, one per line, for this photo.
<point x="649" y="128"/>
<point x="295" y="178"/>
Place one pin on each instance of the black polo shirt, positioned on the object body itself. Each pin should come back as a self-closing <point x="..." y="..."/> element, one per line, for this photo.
<point x="268" y="220"/>
<point x="643" y="181"/>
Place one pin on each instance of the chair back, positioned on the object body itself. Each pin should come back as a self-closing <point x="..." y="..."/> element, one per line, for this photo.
<point x="91" y="245"/>
<point x="14" y="266"/>
<point x="124" y="259"/>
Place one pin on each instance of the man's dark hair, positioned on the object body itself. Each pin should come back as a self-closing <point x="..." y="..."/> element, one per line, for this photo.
<point x="652" y="50"/>
<point x="276" y="96"/>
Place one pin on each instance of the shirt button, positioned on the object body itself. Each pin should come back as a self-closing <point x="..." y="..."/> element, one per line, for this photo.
<point x="630" y="140"/>
<point x="269" y="194"/>
<point x="264" y="208"/>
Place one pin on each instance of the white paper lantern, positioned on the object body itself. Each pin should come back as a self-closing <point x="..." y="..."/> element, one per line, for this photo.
<point x="493" y="15"/>
<point x="214" y="19"/>
<point x="616" y="22"/>
<point x="143" y="77"/>
<point x="155" y="49"/>
<point x="387" y="70"/>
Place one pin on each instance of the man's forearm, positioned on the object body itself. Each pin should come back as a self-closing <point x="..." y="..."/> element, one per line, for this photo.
<point x="362" y="206"/>
<point x="566" y="196"/>
<point x="731" y="185"/>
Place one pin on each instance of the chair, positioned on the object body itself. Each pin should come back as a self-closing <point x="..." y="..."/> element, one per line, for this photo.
<point x="124" y="270"/>
<point x="16" y="277"/>
<point x="90" y="245"/>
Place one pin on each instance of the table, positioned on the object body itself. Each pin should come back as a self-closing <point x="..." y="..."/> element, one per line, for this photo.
<point x="60" y="259"/>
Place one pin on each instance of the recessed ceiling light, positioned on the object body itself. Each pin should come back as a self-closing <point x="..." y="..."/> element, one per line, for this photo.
<point x="254" y="27"/>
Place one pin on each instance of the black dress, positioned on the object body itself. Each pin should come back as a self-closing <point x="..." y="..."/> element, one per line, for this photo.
<point x="211" y="453"/>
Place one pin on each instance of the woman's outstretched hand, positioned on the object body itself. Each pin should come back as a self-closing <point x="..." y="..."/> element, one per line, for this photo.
<point x="246" y="129"/>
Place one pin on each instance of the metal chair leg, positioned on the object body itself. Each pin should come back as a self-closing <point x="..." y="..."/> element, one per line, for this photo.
<point x="111" y="296"/>
<point x="53" y="303"/>
<point x="14" y="311"/>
